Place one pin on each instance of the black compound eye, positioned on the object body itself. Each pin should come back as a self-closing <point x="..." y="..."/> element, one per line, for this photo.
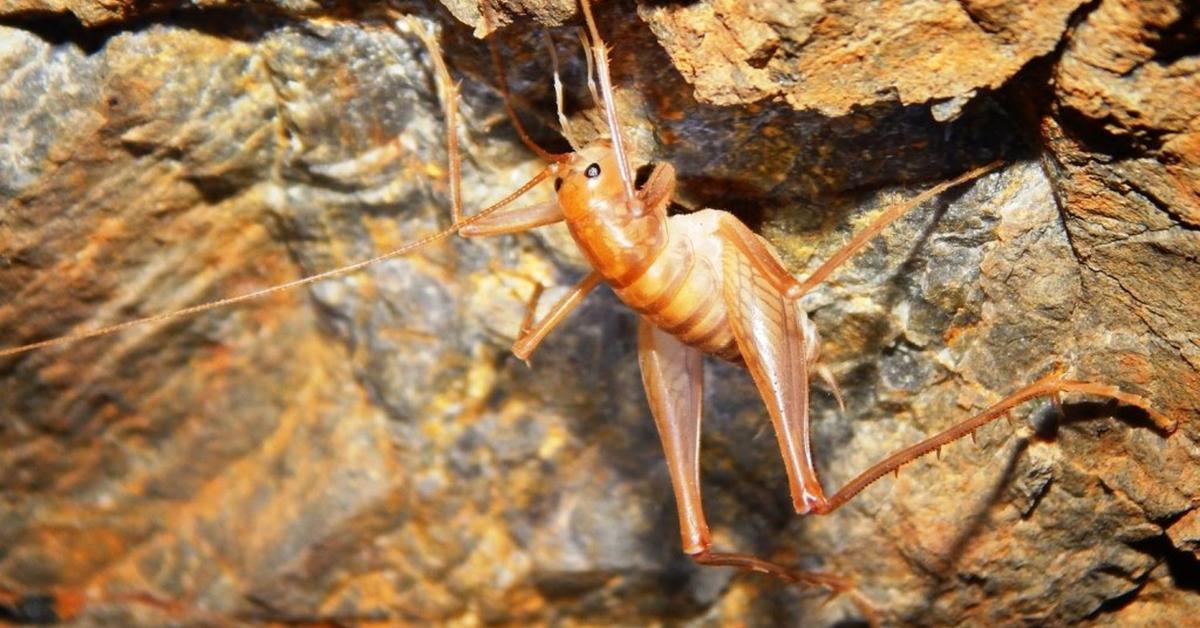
<point x="592" y="171"/>
<point x="557" y="183"/>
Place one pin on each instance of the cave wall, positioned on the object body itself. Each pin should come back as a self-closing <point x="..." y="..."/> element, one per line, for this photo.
<point x="367" y="449"/>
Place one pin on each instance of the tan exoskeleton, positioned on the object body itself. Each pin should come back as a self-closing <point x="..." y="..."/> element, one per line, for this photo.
<point x="704" y="283"/>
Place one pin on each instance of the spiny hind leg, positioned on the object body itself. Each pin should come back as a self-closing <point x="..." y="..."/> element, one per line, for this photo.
<point x="1051" y="386"/>
<point x="673" y="375"/>
<point x="776" y="341"/>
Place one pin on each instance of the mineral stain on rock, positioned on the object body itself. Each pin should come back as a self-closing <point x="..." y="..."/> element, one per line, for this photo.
<point x="366" y="450"/>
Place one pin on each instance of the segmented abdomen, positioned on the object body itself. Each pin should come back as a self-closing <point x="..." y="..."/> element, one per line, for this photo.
<point x="680" y="292"/>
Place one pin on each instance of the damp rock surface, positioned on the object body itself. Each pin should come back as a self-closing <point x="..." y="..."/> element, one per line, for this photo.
<point x="367" y="449"/>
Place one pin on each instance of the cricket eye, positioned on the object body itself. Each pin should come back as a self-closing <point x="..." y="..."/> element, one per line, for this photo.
<point x="557" y="183"/>
<point x="592" y="171"/>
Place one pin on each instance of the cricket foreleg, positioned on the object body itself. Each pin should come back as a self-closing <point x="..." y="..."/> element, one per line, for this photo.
<point x="531" y="338"/>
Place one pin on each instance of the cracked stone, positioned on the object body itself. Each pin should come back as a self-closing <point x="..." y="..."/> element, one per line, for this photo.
<point x="367" y="450"/>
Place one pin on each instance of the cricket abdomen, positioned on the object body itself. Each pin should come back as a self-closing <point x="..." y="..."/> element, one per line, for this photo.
<point x="680" y="289"/>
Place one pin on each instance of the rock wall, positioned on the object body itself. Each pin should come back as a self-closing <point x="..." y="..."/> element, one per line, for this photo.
<point x="367" y="449"/>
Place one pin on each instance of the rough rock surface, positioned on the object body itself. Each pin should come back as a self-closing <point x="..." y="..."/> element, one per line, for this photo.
<point x="835" y="55"/>
<point x="367" y="449"/>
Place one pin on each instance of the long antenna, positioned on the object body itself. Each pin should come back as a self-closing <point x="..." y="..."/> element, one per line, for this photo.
<point x="498" y="64"/>
<point x="610" y="109"/>
<point x="344" y="270"/>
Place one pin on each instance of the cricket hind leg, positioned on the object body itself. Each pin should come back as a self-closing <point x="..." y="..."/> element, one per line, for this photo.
<point x="1051" y="386"/>
<point x="673" y="375"/>
<point x="776" y="341"/>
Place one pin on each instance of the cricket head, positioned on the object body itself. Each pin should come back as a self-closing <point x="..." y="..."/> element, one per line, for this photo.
<point x="589" y="181"/>
<point x="615" y="235"/>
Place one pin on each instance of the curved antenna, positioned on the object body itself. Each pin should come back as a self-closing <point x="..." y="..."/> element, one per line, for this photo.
<point x="610" y="110"/>
<point x="498" y="64"/>
<point x="296" y="283"/>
